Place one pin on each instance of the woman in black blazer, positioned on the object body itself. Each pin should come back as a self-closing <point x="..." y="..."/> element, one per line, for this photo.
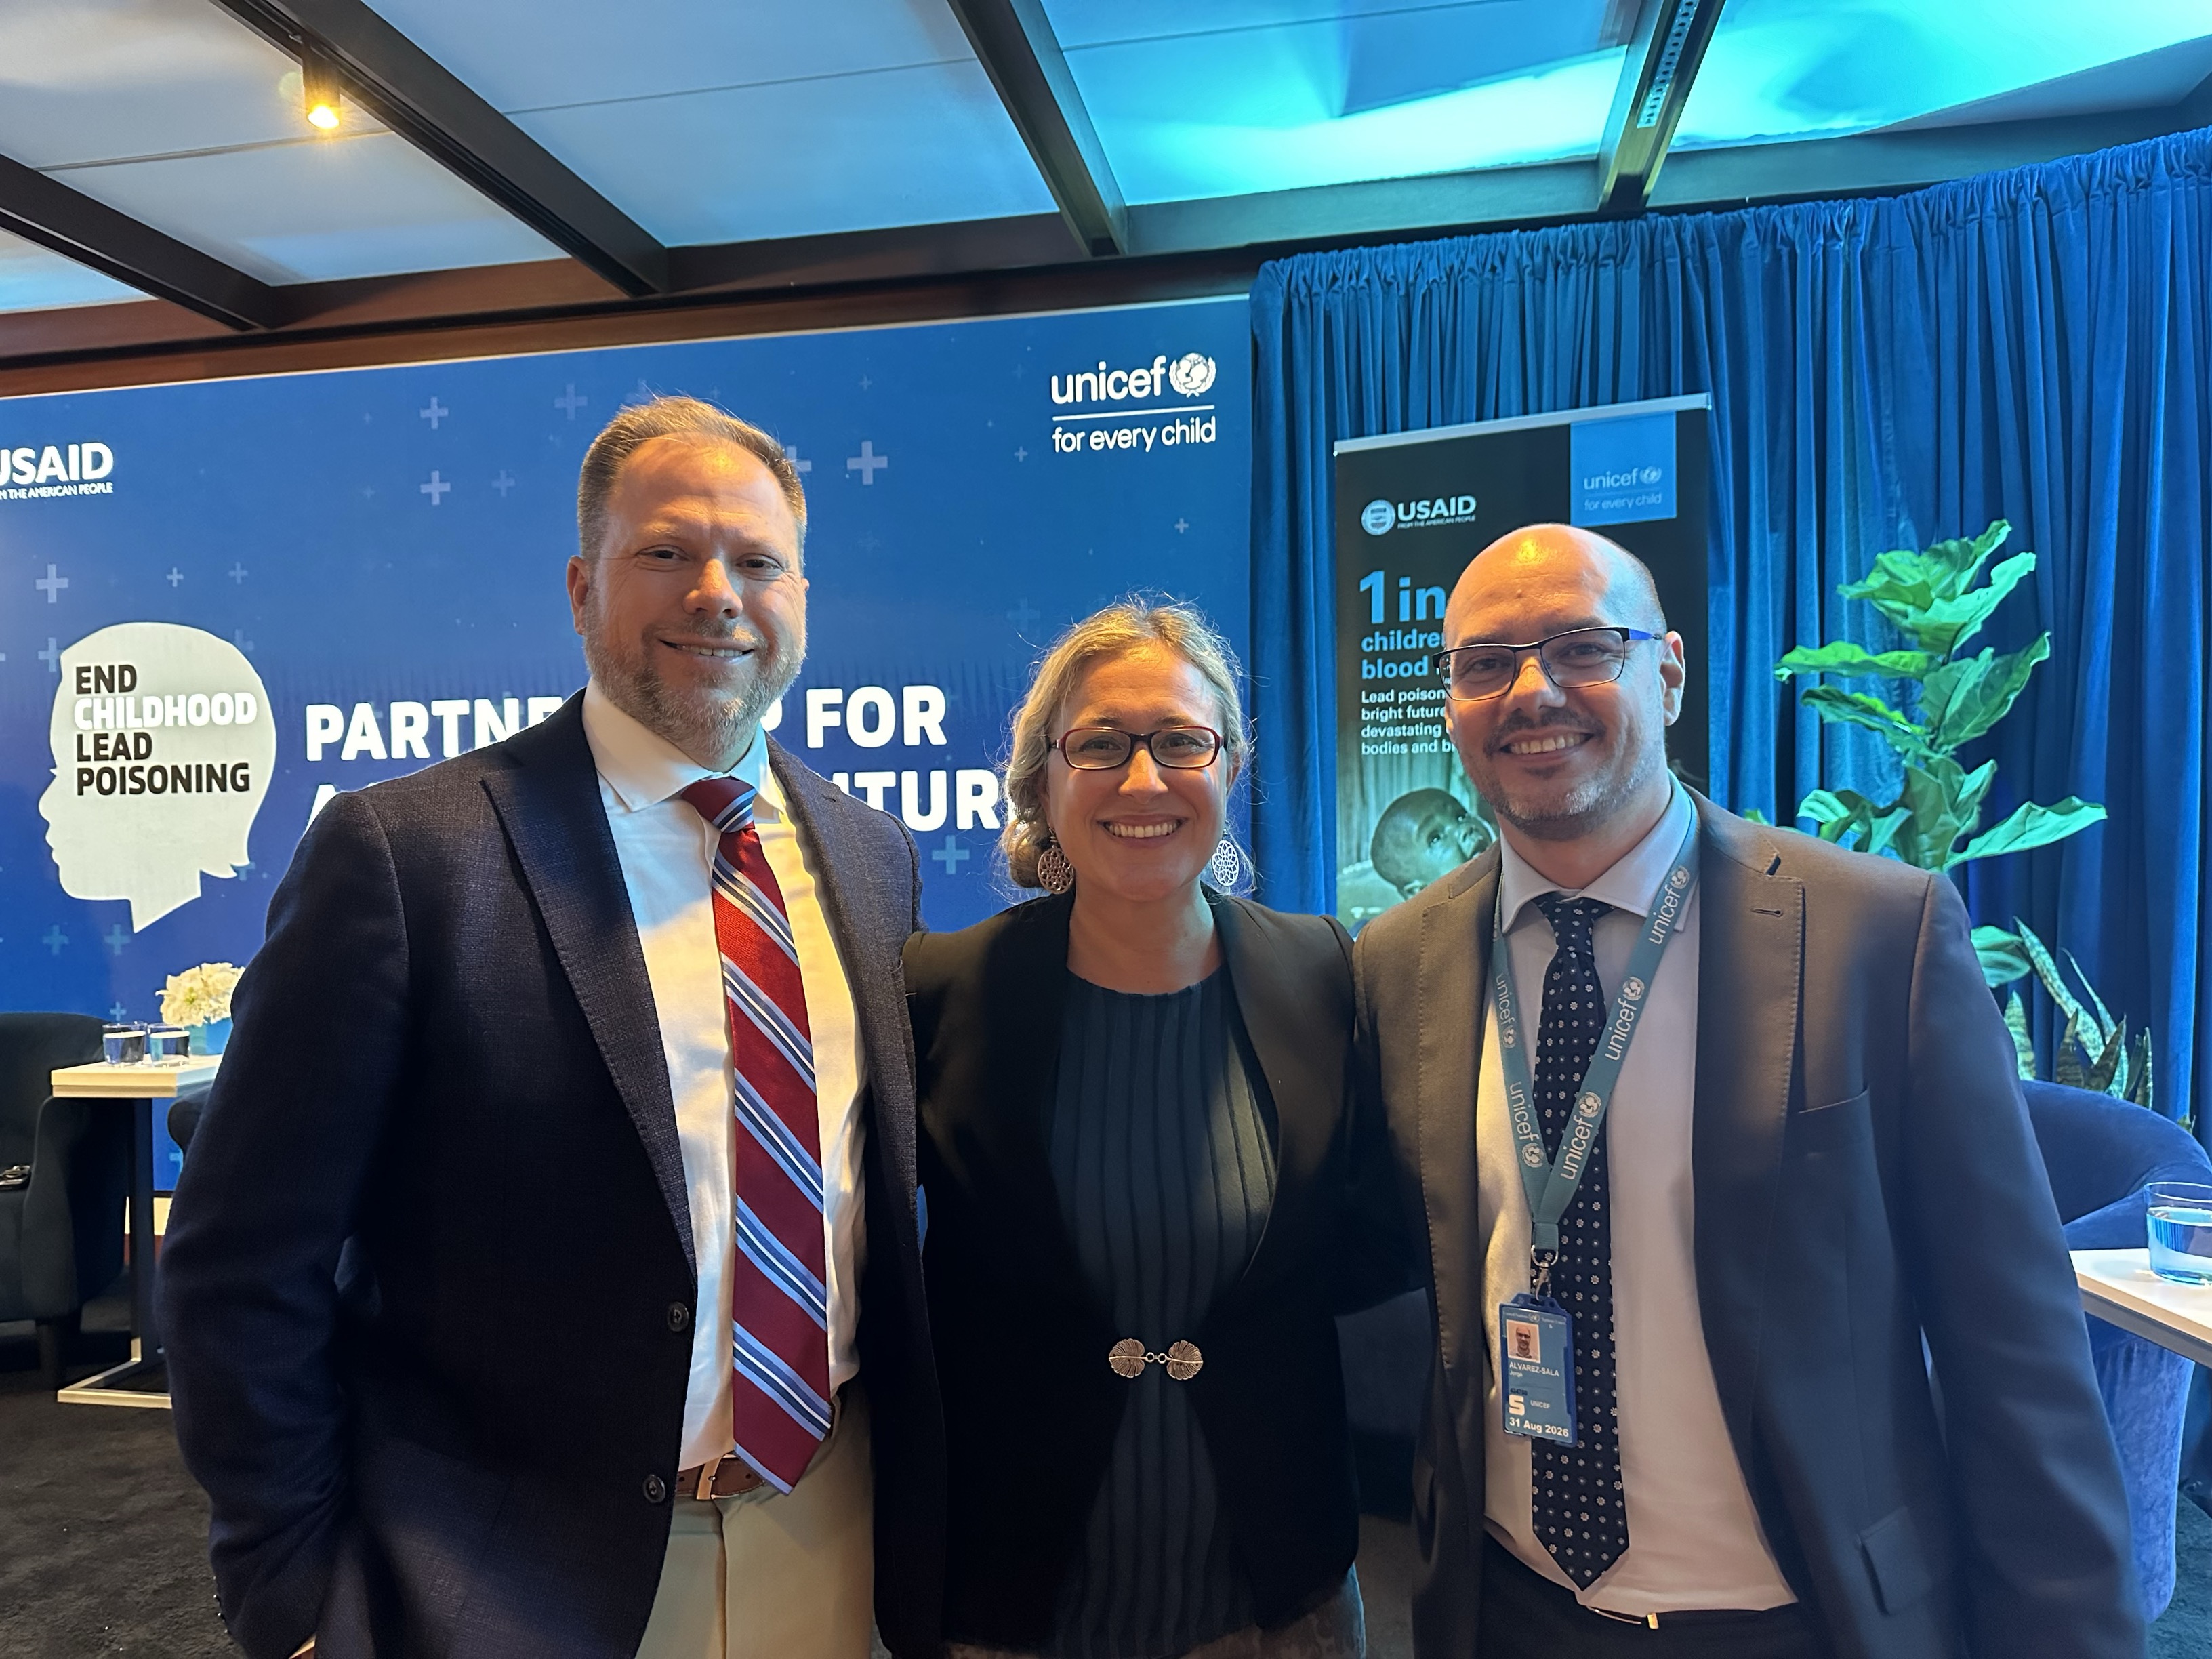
<point x="1133" y="1130"/>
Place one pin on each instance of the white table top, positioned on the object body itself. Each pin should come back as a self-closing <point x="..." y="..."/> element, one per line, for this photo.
<point x="2118" y="1285"/>
<point x="148" y="1081"/>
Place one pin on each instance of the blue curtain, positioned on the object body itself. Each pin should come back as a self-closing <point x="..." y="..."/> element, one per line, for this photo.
<point x="2033" y="345"/>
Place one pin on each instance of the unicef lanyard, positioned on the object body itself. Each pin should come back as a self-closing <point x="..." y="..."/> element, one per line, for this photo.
<point x="1550" y="1186"/>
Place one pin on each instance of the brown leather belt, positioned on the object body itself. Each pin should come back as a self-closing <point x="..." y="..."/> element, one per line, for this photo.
<point x="726" y="1477"/>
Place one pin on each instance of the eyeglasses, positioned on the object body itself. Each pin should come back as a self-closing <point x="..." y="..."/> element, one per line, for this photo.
<point x="1103" y="748"/>
<point x="1581" y="656"/>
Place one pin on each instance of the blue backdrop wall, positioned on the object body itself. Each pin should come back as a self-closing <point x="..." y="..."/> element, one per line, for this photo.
<point x="2032" y="345"/>
<point x="386" y="546"/>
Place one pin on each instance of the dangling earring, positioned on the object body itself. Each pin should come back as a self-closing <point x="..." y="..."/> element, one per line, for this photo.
<point x="1054" y="873"/>
<point x="1226" y="867"/>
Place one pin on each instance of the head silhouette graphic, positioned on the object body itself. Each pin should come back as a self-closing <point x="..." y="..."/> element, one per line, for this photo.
<point x="163" y="742"/>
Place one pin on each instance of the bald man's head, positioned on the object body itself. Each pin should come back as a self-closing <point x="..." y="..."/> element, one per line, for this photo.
<point x="1562" y="761"/>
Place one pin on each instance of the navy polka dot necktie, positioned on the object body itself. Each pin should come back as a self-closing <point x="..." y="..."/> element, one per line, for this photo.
<point x="1575" y="1501"/>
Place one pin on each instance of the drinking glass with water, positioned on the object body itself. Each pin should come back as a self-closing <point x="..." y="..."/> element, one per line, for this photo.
<point x="2181" y="1231"/>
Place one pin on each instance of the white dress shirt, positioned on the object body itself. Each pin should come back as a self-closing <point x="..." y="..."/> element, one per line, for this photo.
<point x="667" y="854"/>
<point x="1694" y="1540"/>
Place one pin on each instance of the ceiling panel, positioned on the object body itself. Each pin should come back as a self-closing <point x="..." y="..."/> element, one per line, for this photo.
<point x="1802" y="69"/>
<point x="711" y="123"/>
<point x="32" y="279"/>
<point x="370" y="205"/>
<point x="1250" y="96"/>
<point x="174" y="112"/>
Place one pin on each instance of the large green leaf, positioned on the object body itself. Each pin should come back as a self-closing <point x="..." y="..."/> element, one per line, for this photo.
<point x="1906" y="584"/>
<point x="1843" y="658"/>
<point x="1947" y="624"/>
<point x="2031" y="826"/>
<point x="1840" y="813"/>
<point x="2003" y="957"/>
<point x="1933" y="794"/>
<point x="2023" y="1046"/>
<point x="1964" y="698"/>
<point x="1842" y="708"/>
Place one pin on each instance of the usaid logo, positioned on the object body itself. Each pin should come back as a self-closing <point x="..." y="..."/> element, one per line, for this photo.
<point x="1190" y="375"/>
<point x="1379" y="518"/>
<point x="33" y="470"/>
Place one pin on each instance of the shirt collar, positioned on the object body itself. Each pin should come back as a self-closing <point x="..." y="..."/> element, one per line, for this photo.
<point x="643" y="769"/>
<point x="1632" y="884"/>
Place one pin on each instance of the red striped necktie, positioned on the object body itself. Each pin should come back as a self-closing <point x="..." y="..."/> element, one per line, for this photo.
<point x="779" y="1299"/>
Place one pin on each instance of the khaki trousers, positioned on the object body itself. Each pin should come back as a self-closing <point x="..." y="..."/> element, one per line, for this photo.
<point x="769" y="1574"/>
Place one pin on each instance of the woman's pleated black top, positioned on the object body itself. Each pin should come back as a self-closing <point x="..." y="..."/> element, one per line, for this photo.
<point x="1162" y="1148"/>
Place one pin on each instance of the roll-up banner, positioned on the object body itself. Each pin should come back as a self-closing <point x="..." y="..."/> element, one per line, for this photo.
<point x="225" y="601"/>
<point x="1412" y="509"/>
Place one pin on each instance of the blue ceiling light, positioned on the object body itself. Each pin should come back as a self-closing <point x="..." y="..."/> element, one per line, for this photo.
<point x="1803" y="69"/>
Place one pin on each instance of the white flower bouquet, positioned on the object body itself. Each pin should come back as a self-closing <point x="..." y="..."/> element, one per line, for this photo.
<point x="199" y="996"/>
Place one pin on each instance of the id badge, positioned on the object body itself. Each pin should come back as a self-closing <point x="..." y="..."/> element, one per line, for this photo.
<point x="1536" y="1369"/>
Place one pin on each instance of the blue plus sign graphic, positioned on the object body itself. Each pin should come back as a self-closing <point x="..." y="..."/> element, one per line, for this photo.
<point x="1021" y="452"/>
<point x="237" y="573"/>
<point x="53" y="585"/>
<point x="55" y="939"/>
<point x="119" y="1013"/>
<point x="1182" y="525"/>
<point x="437" y="412"/>
<point x="1022" y="616"/>
<point x="117" y="939"/>
<point x="502" y="483"/>
<point x="238" y="638"/>
<point x="867" y="463"/>
<point x="51" y="656"/>
<point x="435" y="490"/>
<point x="796" y="466"/>
<point x="572" y="401"/>
<point x="174" y="576"/>
<point x="952" y="855"/>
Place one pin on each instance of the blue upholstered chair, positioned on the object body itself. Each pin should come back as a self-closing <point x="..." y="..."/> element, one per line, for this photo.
<point x="2101" y="1153"/>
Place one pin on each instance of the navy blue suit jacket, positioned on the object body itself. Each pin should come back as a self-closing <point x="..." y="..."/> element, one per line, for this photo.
<point x="428" y="1285"/>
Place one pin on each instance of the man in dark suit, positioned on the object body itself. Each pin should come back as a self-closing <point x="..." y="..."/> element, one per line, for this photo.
<point x="1807" y="1155"/>
<point x="515" y="1281"/>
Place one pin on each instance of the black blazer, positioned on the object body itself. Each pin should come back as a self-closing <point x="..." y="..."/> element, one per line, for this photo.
<point x="447" y="1059"/>
<point x="1031" y="1407"/>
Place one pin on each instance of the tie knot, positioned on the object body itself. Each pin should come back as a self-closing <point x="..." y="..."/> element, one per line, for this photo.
<point x="1572" y="919"/>
<point x="725" y="803"/>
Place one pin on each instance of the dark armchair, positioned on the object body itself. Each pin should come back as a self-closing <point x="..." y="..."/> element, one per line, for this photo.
<point x="61" y="1233"/>
<point x="2100" y="1154"/>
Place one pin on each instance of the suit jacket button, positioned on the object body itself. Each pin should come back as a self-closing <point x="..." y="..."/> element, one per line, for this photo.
<point x="678" y="1316"/>
<point x="656" y="1489"/>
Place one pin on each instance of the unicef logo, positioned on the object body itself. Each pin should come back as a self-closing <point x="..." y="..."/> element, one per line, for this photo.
<point x="1632" y="988"/>
<point x="1376" y="518"/>
<point x="1532" y="1157"/>
<point x="1587" y="1105"/>
<point x="1649" y="475"/>
<point x="1191" y="373"/>
<point x="1679" y="880"/>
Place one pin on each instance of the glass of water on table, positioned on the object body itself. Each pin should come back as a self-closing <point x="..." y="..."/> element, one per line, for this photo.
<point x="2181" y="1231"/>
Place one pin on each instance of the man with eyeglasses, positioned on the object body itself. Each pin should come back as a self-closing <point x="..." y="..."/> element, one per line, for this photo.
<point x="1710" y="1127"/>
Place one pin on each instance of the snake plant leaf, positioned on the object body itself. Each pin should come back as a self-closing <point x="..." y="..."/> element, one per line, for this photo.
<point x="2031" y="826"/>
<point x="2104" y="1014"/>
<point x="2003" y="957"/>
<point x="1844" y="657"/>
<point x="2139" y="1091"/>
<point x="1844" y="708"/>
<point x="2069" y="1064"/>
<point x="2105" y="1076"/>
<point x="2046" y="970"/>
<point x="2023" y="1045"/>
<point x="1966" y="697"/>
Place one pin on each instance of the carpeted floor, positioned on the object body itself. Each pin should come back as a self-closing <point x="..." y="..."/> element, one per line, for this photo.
<point x="103" y="1535"/>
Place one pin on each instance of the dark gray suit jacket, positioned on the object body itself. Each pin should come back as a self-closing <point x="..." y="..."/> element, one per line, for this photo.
<point x="460" y="1439"/>
<point x="1864" y="1177"/>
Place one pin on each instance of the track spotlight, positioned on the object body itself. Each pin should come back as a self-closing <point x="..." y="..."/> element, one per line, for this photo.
<point x="319" y="85"/>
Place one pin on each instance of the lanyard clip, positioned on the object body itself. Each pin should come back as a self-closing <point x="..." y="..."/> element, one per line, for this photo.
<point x="1539" y="1270"/>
